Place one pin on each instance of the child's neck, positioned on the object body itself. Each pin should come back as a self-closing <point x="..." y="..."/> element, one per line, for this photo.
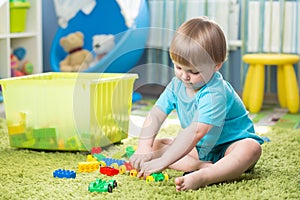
<point x="190" y="92"/>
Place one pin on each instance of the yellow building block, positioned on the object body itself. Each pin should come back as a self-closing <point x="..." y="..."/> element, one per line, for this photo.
<point x="88" y="166"/>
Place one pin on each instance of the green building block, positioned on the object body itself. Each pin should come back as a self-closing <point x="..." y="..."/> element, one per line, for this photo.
<point x="102" y="186"/>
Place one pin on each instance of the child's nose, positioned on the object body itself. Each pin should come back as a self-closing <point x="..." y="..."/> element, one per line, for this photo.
<point x="185" y="76"/>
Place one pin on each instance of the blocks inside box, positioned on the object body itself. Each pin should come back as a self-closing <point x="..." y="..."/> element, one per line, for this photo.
<point x="67" y="111"/>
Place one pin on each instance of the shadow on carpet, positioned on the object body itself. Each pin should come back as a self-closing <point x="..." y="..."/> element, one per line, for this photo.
<point x="27" y="174"/>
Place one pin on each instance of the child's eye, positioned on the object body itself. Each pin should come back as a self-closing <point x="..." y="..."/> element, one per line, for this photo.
<point x="195" y="73"/>
<point x="179" y="68"/>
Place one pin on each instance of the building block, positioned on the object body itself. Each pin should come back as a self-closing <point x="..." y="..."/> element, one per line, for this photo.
<point x="44" y="137"/>
<point x="157" y="177"/>
<point x="113" y="162"/>
<point x="99" y="156"/>
<point x="128" y="166"/>
<point x="16" y="129"/>
<point x="102" y="186"/>
<point x="96" y="150"/>
<point x="109" y="171"/>
<point x="130" y="151"/>
<point x="88" y="166"/>
<point x="62" y="173"/>
<point x="90" y="158"/>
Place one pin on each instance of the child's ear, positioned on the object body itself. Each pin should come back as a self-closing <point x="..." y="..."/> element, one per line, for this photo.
<point x="218" y="66"/>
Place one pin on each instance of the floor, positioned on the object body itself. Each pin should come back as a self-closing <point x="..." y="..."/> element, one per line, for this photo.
<point x="270" y="115"/>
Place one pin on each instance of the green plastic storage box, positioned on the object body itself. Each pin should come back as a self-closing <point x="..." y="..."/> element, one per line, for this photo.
<point x="67" y="111"/>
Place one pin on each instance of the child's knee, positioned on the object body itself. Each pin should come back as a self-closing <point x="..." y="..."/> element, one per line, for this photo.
<point x="160" y="143"/>
<point x="255" y="149"/>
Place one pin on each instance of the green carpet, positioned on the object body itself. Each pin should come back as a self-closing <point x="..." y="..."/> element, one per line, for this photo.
<point x="27" y="174"/>
<point x="269" y="115"/>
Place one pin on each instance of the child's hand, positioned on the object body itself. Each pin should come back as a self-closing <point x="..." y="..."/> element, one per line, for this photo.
<point x="141" y="156"/>
<point x="155" y="165"/>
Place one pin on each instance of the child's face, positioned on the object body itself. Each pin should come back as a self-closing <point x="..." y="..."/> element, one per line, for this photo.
<point x="190" y="76"/>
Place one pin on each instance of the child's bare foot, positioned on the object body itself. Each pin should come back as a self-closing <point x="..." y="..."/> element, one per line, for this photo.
<point x="192" y="181"/>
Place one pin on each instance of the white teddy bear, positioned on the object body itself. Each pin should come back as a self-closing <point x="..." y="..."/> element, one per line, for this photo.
<point x="102" y="44"/>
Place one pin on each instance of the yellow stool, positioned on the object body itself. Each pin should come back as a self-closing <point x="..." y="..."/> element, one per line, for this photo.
<point x="288" y="92"/>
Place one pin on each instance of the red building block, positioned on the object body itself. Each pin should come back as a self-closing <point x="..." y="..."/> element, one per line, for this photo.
<point x="96" y="150"/>
<point x="109" y="171"/>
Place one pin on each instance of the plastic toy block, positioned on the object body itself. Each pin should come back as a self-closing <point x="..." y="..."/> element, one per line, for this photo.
<point x="19" y="127"/>
<point x="157" y="177"/>
<point x="62" y="173"/>
<point x="133" y="173"/>
<point x="72" y="143"/>
<point x="122" y="169"/>
<point x="17" y="139"/>
<point x="128" y="166"/>
<point x="102" y="186"/>
<point x="99" y="156"/>
<point x="96" y="150"/>
<point x="112" y="162"/>
<point x="44" y="137"/>
<point x="109" y="171"/>
<point x="44" y="133"/>
<point x="88" y="166"/>
<point x="29" y="143"/>
<point x="16" y="129"/>
<point x="130" y="151"/>
<point x="153" y="177"/>
<point x="90" y="158"/>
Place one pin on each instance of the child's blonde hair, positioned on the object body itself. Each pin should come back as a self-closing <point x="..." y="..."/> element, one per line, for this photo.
<point x="199" y="42"/>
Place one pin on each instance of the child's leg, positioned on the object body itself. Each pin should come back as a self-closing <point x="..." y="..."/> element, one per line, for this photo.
<point x="190" y="162"/>
<point x="240" y="156"/>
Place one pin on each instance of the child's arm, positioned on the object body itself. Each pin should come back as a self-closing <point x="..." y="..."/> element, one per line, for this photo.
<point x="182" y="145"/>
<point x="151" y="126"/>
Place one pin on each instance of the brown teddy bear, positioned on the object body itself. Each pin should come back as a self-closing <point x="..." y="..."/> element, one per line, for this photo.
<point x="78" y="58"/>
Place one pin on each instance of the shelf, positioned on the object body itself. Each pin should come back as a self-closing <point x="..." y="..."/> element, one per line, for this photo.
<point x="23" y="35"/>
<point x="30" y="39"/>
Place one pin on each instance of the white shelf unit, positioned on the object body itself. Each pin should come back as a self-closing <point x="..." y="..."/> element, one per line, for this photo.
<point x="30" y="39"/>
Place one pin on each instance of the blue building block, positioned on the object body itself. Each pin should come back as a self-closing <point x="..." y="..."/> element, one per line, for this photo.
<point x="109" y="161"/>
<point x="62" y="173"/>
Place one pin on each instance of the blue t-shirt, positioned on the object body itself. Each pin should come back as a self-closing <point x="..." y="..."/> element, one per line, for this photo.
<point x="216" y="104"/>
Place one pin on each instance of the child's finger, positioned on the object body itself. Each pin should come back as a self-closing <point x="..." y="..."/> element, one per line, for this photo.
<point x="140" y="174"/>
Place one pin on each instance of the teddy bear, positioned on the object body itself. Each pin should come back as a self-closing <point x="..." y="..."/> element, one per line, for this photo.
<point x="102" y="44"/>
<point x="78" y="59"/>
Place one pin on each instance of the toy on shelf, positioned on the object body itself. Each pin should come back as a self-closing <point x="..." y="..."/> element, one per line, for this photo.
<point x="62" y="173"/>
<point x="18" y="15"/>
<point x="20" y="66"/>
<point x="78" y="59"/>
<point x="102" y="186"/>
